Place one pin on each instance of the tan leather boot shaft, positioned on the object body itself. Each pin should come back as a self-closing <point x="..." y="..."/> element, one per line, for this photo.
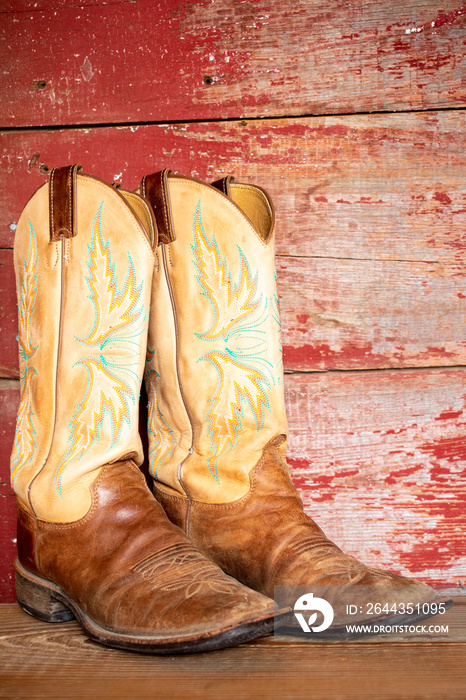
<point x="215" y="378"/>
<point x="93" y="543"/>
<point x="231" y="492"/>
<point x="83" y="316"/>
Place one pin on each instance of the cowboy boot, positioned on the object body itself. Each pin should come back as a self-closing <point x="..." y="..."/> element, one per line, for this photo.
<point x="93" y="543"/>
<point x="217" y="424"/>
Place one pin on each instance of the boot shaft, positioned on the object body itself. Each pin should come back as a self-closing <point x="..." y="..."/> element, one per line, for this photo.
<point x="83" y="262"/>
<point x="214" y="368"/>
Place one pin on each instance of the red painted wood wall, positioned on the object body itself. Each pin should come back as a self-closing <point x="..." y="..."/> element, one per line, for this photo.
<point x="352" y="116"/>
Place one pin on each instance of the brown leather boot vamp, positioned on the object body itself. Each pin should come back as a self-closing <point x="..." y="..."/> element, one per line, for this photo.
<point x="266" y="540"/>
<point x="130" y="577"/>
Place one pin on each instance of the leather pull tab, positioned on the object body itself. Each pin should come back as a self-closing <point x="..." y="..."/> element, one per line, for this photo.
<point x="155" y="189"/>
<point x="224" y="184"/>
<point x="62" y="202"/>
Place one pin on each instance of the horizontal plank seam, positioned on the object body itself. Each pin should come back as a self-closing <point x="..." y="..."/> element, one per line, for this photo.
<point x="10" y="383"/>
<point x="387" y="259"/>
<point x="268" y="117"/>
<point x="372" y="369"/>
<point x="335" y="257"/>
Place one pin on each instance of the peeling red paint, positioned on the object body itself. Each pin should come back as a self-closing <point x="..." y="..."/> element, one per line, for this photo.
<point x="392" y="431"/>
<point x="442" y="197"/>
<point x="299" y="481"/>
<point x="433" y="64"/>
<point x="439" y="351"/>
<point x="393" y="476"/>
<point x="416" y="490"/>
<point x="448" y="17"/>
<point x="401" y="45"/>
<point x="318" y="479"/>
<point x="303" y="318"/>
<point x="297" y="463"/>
<point x="448" y="415"/>
<point x="447" y="544"/>
<point x="451" y="449"/>
<point x="352" y="355"/>
<point x="337" y="130"/>
<point x="235" y="46"/>
<point x="321" y="354"/>
<point x="348" y="472"/>
<point x="368" y="200"/>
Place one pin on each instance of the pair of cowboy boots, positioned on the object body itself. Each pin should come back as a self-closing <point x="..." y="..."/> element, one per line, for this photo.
<point x="175" y="283"/>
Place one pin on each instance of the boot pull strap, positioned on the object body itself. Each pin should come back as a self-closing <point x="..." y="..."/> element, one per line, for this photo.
<point x="224" y="185"/>
<point x="155" y="189"/>
<point x="62" y="202"/>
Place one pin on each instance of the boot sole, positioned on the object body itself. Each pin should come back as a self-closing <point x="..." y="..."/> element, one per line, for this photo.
<point x="339" y="632"/>
<point x="48" y="602"/>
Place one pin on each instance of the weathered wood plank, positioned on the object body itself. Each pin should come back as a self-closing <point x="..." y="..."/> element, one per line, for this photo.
<point x="339" y="314"/>
<point x="388" y="446"/>
<point x="359" y="314"/>
<point x="9" y="400"/>
<point x="56" y="661"/>
<point x="368" y="187"/>
<point x="8" y="317"/>
<point x="46" y="661"/>
<point x="380" y="459"/>
<point x="166" y="60"/>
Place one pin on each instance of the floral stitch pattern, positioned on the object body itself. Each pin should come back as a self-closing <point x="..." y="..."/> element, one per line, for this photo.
<point x="113" y="342"/>
<point x="162" y="441"/>
<point x="25" y="436"/>
<point x="181" y="567"/>
<point x="240" y="317"/>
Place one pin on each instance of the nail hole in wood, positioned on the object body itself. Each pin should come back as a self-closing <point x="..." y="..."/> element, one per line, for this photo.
<point x="38" y="85"/>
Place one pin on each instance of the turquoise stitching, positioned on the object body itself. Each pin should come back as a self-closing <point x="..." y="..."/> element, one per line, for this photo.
<point x="245" y="343"/>
<point x="19" y="458"/>
<point x="150" y="379"/>
<point x="119" y="364"/>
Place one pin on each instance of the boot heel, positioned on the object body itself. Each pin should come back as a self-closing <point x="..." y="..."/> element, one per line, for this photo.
<point x="38" y="601"/>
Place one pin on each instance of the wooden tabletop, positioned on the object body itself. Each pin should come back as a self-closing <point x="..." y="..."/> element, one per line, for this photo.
<point x="39" y="660"/>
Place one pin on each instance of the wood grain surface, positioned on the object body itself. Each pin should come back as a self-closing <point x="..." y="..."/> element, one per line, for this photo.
<point x="9" y="357"/>
<point x="363" y="314"/>
<point x="166" y="60"/>
<point x="43" y="661"/>
<point x="378" y="187"/>
<point x="371" y="452"/>
<point x="9" y="401"/>
<point x="371" y="251"/>
<point x="380" y="460"/>
<point x="338" y="314"/>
